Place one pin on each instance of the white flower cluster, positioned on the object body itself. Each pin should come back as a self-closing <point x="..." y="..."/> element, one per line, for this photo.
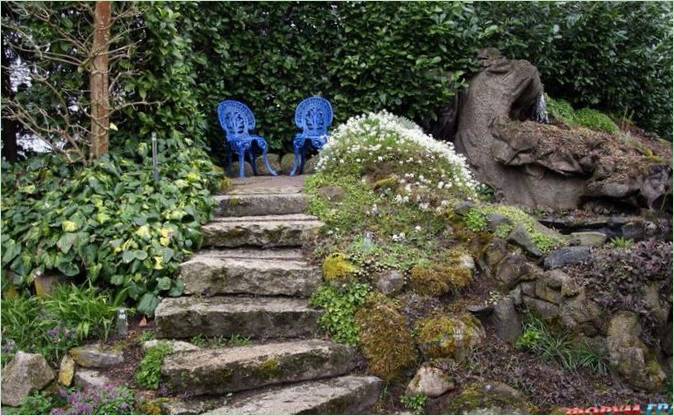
<point x="427" y="169"/>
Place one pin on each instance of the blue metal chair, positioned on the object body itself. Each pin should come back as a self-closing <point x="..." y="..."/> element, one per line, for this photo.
<point x="314" y="116"/>
<point x="238" y="121"/>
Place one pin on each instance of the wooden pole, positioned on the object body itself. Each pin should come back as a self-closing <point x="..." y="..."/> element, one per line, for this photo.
<point x="98" y="81"/>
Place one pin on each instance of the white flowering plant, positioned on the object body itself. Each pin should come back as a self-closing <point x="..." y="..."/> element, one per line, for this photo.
<point x="397" y="183"/>
<point x="428" y="173"/>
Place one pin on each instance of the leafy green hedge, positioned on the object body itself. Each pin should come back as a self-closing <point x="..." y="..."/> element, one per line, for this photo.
<point x="408" y="58"/>
<point x="109" y="224"/>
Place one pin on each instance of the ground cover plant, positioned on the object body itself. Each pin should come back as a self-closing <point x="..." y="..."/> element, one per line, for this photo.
<point x="110" y="224"/>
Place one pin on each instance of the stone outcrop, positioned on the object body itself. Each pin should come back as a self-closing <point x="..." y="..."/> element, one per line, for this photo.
<point x="547" y="166"/>
<point x="26" y="373"/>
<point x="96" y="356"/>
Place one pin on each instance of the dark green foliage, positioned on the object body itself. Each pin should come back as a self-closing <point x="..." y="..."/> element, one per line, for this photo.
<point x="53" y="325"/>
<point x="110" y="223"/>
<point x="148" y="373"/>
<point x="38" y="403"/>
<point x="610" y="55"/>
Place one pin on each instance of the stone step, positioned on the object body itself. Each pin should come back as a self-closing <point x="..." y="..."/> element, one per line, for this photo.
<point x="236" y="369"/>
<point x="259" y="272"/>
<point x="237" y="205"/>
<point x="254" y="317"/>
<point x="261" y="231"/>
<point x="341" y="395"/>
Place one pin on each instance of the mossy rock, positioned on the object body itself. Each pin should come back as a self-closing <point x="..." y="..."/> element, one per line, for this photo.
<point x="386" y="341"/>
<point x="442" y="336"/>
<point x="489" y="398"/>
<point x="338" y="269"/>
<point x="389" y="183"/>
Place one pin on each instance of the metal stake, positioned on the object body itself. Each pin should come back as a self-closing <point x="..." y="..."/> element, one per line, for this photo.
<point x="155" y="168"/>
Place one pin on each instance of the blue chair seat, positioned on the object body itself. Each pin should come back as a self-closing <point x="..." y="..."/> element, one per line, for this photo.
<point x="238" y="121"/>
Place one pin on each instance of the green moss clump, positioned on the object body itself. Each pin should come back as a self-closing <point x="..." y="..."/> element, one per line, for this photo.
<point x="561" y="110"/>
<point x="441" y="336"/>
<point x="389" y="183"/>
<point x="437" y="279"/>
<point x="545" y="242"/>
<point x="269" y="369"/>
<point x="386" y="341"/>
<point x="338" y="269"/>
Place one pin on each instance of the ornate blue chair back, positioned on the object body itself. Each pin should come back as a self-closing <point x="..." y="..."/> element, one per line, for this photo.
<point x="236" y="119"/>
<point x="314" y="116"/>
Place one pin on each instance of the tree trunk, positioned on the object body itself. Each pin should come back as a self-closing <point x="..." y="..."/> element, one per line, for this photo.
<point x="98" y="81"/>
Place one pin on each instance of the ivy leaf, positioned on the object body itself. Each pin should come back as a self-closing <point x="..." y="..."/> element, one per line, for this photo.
<point x="128" y="256"/>
<point x="66" y="242"/>
<point x="164" y="283"/>
<point x="140" y="254"/>
<point x="148" y="303"/>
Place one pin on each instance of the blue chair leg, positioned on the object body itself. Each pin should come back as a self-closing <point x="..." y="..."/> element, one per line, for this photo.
<point x="296" y="160"/>
<point x="229" y="151"/>
<point x="304" y="157"/>
<point x="271" y="171"/>
<point x="252" y="160"/>
<point x="242" y="164"/>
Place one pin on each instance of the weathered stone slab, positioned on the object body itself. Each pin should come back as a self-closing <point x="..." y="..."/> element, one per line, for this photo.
<point x="96" y="356"/>
<point x="23" y="375"/>
<point x="566" y="256"/>
<point x="261" y="231"/>
<point x="588" y="238"/>
<point x="91" y="379"/>
<point x="243" y="368"/>
<point x="259" y="317"/>
<point x="342" y="395"/>
<point x="250" y="271"/>
<point x="239" y="205"/>
<point x="268" y="185"/>
<point x="66" y="370"/>
<point x="176" y="346"/>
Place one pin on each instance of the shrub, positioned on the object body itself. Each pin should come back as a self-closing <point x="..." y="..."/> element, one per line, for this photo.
<point x="562" y="111"/>
<point x="441" y="336"/>
<point x="51" y="326"/>
<point x="428" y="171"/>
<point x="340" y="307"/>
<point x="538" y="338"/>
<point x="148" y="373"/>
<point x="110" y="223"/>
<point x="385" y="339"/>
<point x="595" y="120"/>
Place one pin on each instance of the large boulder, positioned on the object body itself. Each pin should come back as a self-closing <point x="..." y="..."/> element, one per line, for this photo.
<point x="443" y="336"/>
<point x="631" y="358"/>
<point x="23" y="375"/>
<point x="548" y="166"/>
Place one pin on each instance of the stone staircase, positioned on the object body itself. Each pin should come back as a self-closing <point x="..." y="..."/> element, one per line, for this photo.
<point x="252" y="280"/>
